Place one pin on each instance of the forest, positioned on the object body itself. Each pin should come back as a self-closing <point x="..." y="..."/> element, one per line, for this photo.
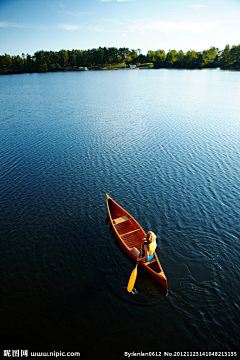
<point x="112" y="58"/>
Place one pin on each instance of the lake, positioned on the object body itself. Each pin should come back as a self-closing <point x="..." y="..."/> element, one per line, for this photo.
<point x="164" y="144"/>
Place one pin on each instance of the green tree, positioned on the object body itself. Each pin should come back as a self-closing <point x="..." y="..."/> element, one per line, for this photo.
<point x="234" y="56"/>
<point x="30" y="64"/>
<point x="201" y="61"/>
<point x="101" y="56"/>
<point x="89" y="58"/>
<point x="123" y="53"/>
<point x="40" y="65"/>
<point x="180" y="60"/>
<point x="81" y="58"/>
<point x="160" y="59"/>
<point x="171" y="58"/>
<point x="225" y="54"/>
<point x="113" y="55"/>
<point x="72" y="61"/>
<point x="191" y="59"/>
<point x="63" y="58"/>
<point x="151" y="56"/>
<point x="17" y="64"/>
<point x="94" y="57"/>
<point x="133" y="54"/>
<point x="105" y="56"/>
<point x="211" y="53"/>
<point x="140" y="59"/>
<point x="98" y="56"/>
<point x="5" y="64"/>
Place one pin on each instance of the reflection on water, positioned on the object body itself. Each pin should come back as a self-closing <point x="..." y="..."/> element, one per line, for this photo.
<point x="165" y="146"/>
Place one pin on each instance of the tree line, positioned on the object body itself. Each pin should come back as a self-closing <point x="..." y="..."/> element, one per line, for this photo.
<point x="43" y="61"/>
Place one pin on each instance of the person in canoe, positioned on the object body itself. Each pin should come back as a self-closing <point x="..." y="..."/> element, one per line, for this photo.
<point x="147" y="249"/>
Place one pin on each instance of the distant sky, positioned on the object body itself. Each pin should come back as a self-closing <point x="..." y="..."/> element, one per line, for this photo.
<point x="27" y="26"/>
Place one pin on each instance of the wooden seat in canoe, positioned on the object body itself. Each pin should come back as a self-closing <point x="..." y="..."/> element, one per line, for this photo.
<point x="132" y="238"/>
<point x="130" y="232"/>
<point x="120" y="220"/>
<point x="151" y="261"/>
<point x="125" y="225"/>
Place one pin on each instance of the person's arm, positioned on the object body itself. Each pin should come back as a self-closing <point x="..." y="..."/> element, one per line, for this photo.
<point x="146" y="254"/>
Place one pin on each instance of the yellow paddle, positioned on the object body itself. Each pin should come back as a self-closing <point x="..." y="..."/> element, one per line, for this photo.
<point x="132" y="279"/>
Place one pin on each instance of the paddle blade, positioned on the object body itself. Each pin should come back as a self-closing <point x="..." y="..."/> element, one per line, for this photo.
<point x="132" y="279"/>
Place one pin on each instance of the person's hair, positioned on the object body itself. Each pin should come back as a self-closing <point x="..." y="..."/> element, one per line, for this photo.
<point x="151" y="236"/>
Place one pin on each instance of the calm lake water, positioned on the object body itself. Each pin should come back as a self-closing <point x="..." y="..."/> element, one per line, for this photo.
<point x="164" y="144"/>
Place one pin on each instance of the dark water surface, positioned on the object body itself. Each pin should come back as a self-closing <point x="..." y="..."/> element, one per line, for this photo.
<point x="165" y="145"/>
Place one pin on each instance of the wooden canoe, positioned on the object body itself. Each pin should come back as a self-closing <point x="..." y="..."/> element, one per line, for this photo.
<point x="130" y="234"/>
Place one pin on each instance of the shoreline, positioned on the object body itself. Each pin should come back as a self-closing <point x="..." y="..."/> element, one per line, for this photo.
<point x="137" y="68"/>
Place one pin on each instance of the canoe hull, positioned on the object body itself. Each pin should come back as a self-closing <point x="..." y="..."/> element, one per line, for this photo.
<point x="130" y="234"/>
